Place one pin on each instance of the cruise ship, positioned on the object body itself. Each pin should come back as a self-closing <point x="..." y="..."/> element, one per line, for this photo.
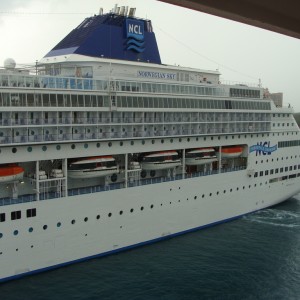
<point x="104" y="148"/>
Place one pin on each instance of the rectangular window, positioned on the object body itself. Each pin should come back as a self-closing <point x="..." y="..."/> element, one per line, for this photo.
<point x="267" y="172"/>
<point x="2" y="217"/>
<point x="271" y="171"/>
<point x="281" y="170"/>
<point x="15" y="215"/>
<point x="31" y="212"/>
<point x="261" y="173"/>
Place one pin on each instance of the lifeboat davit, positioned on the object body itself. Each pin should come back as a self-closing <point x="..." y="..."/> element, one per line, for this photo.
<point x="231" y="151"/>
<point x="200" y="156"/>
<point x="161" y="160"/>
<point x="93" y="167"/>
<point x="10" y="173"/>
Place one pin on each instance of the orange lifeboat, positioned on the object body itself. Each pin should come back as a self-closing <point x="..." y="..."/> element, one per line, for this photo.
<point x="231" y="151"/>
<point x="161" y="160"/>
<point x="91" y="167"/>
<point x="11" y="172"/>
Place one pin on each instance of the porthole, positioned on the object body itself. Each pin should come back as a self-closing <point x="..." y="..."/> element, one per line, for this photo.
<point x="143" y="142"/>
<point x="171" y="140"/>
<point x="86" y="146"/>
<point x="45" y="227"/>
<point x="132" y="143"/>
<point x="16" y="232"/>
<point x="121" y="212"/>
<point x="121" y="143"/>
<point x="188" y="139"/>
<point x="110" y="214"/>
<point x="85" y="219"/>
<point x="131" y="210"/>
<point x="1" y="235"/>
<point x="73" y="222"/>
<point x="58" y="224"/>
<point x="153" y="141"/>
<point x="58" y="147"/>
<point x="73" y="146"/>
<point x="109" y="144"/>
<point x="162" y="141"/>
<point x="195" y="197"/>
<point x="153" y="205"/>
<point x="142" y="207"/>
<point x="30" y="229"/>
<point x="44" y="148"/>
<point x="98" y="217"/>
<point x="14" y="150"/>
<point x="98" y="145"/>
<point x="29" y="149"/>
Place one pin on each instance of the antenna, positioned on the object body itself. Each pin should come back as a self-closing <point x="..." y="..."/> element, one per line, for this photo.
<point x="126" y="11"/>
<point x="101" y="11"/>
<point x="118" y="10"/>
<point x="122" y="10"/>
<point x="132" y="12"/>
<point x="115" y="8"/>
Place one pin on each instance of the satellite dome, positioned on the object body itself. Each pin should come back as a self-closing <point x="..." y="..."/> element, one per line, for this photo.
<point x="9" y="63"/>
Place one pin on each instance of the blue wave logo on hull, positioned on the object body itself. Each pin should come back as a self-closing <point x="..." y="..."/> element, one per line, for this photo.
<point x="135" y="35"/>
<point x="263" y="148"/>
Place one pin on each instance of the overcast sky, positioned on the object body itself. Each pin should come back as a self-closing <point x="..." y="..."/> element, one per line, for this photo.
<point x="30" y="28"/>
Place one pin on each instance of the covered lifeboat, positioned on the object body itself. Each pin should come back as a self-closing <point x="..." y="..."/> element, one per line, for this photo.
<point x="200" y="156"/>
<point x="93" y="167"/>
<point x="161" y="160"/>
<point x="231" y="151"/>
<point x="10" y="172"/>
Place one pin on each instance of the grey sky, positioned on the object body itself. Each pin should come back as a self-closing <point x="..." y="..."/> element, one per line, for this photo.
<point x="185" y="37"/>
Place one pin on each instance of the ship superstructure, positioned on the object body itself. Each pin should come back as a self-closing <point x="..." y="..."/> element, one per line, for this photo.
<point x="105" y="148"/>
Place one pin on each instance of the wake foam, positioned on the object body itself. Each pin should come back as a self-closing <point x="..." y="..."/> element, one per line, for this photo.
<point x="276" y="217"/>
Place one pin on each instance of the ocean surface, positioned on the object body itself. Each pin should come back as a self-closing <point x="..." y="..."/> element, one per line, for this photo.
<point x="255" y="257"/>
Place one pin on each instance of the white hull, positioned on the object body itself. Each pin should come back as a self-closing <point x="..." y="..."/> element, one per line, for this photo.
<point x="199" y="161"/>
<point x="11" y="178"/>
<point x="160" y="165"/>
<point x="176" y="208"/>
<point x="229" y="155"/>
<point x="81" y="174"/>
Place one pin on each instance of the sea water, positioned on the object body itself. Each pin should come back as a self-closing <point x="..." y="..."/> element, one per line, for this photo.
<point x="255" y="257"/>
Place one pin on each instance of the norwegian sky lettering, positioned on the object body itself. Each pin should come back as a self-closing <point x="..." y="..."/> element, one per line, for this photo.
<point x="148" y="74"/>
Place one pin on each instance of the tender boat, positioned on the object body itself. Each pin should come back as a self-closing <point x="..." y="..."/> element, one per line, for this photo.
<point x="161" y="160"/>
<point x="200" y="156"/>
<point x="231" y="151"/>
<point x="11" y="172"/>
<point x="93" y="167"/>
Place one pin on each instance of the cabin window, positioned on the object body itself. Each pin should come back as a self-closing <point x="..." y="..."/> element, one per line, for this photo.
<point x="31" y="212"/>
<point x="15" y="215"/>
<point x="2" y="217"/>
